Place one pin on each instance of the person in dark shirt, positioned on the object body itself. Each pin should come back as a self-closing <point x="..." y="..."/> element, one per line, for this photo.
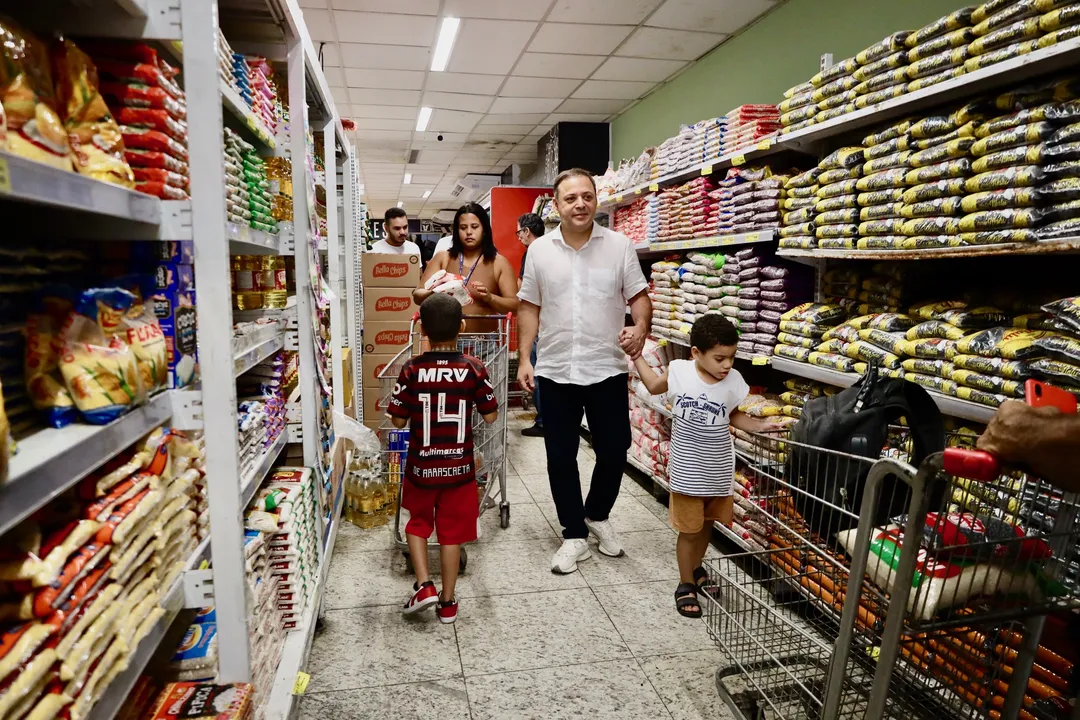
<point x="530" y="227"/>
<point x="435" y="395"/>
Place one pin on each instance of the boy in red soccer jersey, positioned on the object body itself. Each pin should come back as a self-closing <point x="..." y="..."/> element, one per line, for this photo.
<point x="435" y="395"/>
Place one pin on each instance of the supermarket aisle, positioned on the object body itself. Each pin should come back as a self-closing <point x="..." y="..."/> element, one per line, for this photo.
<point x="604" y="642"/>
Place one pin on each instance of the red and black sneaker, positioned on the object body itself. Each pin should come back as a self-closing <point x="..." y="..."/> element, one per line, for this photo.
<point x="447" y="611"/>
<point x="424" y="596"/>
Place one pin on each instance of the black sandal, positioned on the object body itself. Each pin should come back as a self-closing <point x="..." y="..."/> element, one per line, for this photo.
<point x="701" y="579"/>
<point x="685" y="597"/>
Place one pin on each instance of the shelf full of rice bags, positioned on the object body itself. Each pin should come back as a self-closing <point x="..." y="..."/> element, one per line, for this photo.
<point x="686" y="211"/>
<point x="249" y="200"/>
<point x="748" y="124"/>
<point x="633" y="221"/>
<point x="650" y="427"/>
<point x="748" y="199"/>
<point x="285" y="508"/>
<point x="143" y="94"/>
<point x="51" y="90"/>
<point x="85" y="575"/>
<point x="628" y="174"/>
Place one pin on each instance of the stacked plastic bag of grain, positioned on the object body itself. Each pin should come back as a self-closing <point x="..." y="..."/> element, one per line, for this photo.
<point x="713" y="146"/>
<point x="882" y="73"/>
<point x="652" y="222"/>
<point x="1060" y="22"/>
<point x="666" y="297"/>
<point x="747" y="124"/>
<point x="836" y="224"/>
<point x="834" y="91"/>
<point x="632" y="221"/>
<point x="263" y="92"/>
<point x="650" y="423"/>
<point x="225" y="63"/>
<point x="253" y="172"/>
<point x="686" y="211"/>
<point x="748" y="200"/>
<point x="1061" y="364"/>
<point x="939" y="51"/>
<point x="797" y="109"/>
<point x="799" y="213"/>
<point x="809" y="320"/>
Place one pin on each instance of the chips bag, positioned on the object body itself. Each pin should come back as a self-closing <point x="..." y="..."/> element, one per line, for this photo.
<point x="99" y="367"/>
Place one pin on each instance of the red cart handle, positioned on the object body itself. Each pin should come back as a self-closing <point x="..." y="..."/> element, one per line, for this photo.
<point x="971" y="464"/>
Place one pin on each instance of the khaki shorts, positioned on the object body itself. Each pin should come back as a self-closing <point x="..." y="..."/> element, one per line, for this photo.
<point x="689" y="513"/>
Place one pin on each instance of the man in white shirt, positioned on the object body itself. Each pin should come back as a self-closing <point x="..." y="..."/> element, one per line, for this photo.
<point x="578" y="281"/>
<point x="445" y="243"/>
<point x="397" y="242"/>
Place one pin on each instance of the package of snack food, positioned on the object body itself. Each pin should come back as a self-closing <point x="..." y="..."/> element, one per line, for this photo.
<point x="153" y="119"/>
<point x="155" y="159"/>
<point x="34" y="129"/>
<point x="99" y="370"/>
<point x="143" y="96"/>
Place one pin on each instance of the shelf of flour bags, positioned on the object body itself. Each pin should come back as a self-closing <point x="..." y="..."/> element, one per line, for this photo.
<point x="1063" y="246"/>
<point x="953" y="407"/>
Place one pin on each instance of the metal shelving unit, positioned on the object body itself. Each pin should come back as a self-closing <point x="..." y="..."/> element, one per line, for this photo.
<point x="1042" y="247"/>
<point x="706" y="243"/>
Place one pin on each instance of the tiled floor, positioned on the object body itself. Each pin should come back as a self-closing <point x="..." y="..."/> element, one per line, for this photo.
<point x="604" y="642"/>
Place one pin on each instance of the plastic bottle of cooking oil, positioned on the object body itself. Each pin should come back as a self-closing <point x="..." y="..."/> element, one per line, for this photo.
<point x="351" y="505"/>
<point x="379" y="501"/>
<point x="367" y="509"/>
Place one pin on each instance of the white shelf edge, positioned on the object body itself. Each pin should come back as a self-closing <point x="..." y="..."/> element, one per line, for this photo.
<point x="37" y="183"/>
<point x="715" y="241"/>
<point x="951" y="406"/>
<point x="255" y="478"/>
<point x="1040" y="247"/>
<point x="53" y="460"/>
<point x="239" y="109"/>
<point x="251" y="357"/>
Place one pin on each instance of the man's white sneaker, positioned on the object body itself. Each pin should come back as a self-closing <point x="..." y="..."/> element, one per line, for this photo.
<point x="567" y="557"/>
<point x="605" y="535"/>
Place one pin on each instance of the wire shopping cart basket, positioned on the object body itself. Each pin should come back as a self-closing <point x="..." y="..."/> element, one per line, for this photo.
<point x="925" y="598"/>
<point x="492" y="349"/>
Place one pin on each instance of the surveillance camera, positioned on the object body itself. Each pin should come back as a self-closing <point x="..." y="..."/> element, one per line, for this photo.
<point x="440" y="138"/>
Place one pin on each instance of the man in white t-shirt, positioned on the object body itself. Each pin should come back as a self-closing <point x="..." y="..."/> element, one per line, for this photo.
<point x="704" y="393"/>
<point x="445" y="243"/>
<point x="578" y="281"/>
<point x="397" y="242"/>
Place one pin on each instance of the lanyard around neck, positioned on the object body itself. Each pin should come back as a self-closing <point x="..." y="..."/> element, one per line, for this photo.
<point x="461" y="266"/>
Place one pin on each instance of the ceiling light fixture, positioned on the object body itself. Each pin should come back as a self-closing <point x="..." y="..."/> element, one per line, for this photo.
<point x="408" y="178"/>
<point x="445" y="43"/>
<point x="427" y="194"/>
<point x="400" y="203"/>
<point x="423" y="119"/>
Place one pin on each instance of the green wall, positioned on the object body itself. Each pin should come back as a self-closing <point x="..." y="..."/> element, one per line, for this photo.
<point x="780" y="51"/>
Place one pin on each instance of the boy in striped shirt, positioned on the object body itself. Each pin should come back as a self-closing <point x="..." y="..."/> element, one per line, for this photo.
<point x="704" y="393"/>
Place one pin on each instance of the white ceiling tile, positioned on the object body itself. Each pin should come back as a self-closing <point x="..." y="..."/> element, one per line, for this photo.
<point x="719" y="16"/>
<point x="396" y="112"/>
<point x="557" y="65"/>
<point x="574" y="117"/>
<point x="496" y="9"/>
<point x="522" y="104"/>
<point x="383" y="124"/>
<point x="409" y="7"/>
<point x="453" y="121"/>
<point x="513" y="119"/>
<point x="620" y="68"/>
<point x="419" y="178"/>
<point x="498" y="137"/>
<point x="517" y="86"/>
<point x="593" y="105"/>
<point x="579" y="39"/>
<point x="305" y="4"/>
<point x="383" y="166"/>
<point x="319" y="25"/>
<point x="432" y="136"/>
<point x="457" y="101"/>
<point x="388" y="134"/>
<point x="330" y="56"/>
<point x="613" y="89"/>
<point x="489" y="47"/>
<point x="669" y="44"/>
<point x="431" y="156"/>
<point x="384" y="97"/>
<point x="507" y="129"/>
<point x="369" y="27"/>
<point x="384" y="79"/>
<point x="340" y="95"/>
<point x="385" y="57"/>
<point x="431" y="168"/>
<point x="473" y="83"/>
<point x="619" y="12"/>
<point x="377" y="150"/>
<point x="334" y="76"/>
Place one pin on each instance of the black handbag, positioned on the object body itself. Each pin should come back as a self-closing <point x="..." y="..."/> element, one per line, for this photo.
<point x="856" y="422"/>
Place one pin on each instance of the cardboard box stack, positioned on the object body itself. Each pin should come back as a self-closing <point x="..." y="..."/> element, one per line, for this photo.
<point x="388" y="282"/>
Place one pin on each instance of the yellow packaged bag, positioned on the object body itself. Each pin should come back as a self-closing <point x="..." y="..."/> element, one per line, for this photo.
<point x="1011" y="369"/>
<point x="959" y="19"/>
<point x="890" y="133"/>
<point x="99" y="369"/>
<point x="1002" y="342"/>
<point x="940" y="153"/>
<point x="142" y="332"/>
<point x="887" y="341"/>
<point x="863" y="350"/>
<point x="934" y="329"/>
<point x="932" y="382"/>
<point x="44" y="346"/>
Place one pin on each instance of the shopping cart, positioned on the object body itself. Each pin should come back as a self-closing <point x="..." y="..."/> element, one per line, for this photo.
<point x="491" y="349"/>
<point x="831" y="613"/>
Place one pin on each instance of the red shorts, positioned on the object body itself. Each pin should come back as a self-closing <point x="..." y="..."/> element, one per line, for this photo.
<point x="450" y="512"/>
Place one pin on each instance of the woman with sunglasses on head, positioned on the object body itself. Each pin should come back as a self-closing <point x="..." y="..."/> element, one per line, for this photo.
<point x="487" y="275"/>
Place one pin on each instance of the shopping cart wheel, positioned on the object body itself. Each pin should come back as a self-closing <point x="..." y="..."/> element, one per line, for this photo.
<point x="408" y="561"/>
<point x="464" y="562"/>
<point x="504" y="515"/>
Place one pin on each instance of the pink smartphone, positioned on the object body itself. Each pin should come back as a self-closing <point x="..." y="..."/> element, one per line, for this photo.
<point x="1039" y="394"/>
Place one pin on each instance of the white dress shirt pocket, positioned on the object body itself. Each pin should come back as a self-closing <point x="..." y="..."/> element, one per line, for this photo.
<point x="601" y="282"/>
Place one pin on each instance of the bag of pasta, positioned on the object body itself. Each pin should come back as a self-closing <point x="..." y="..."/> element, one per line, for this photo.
<point x="99" y="368"/>
<point x="41" y="367"/>
<point x="34" y="130"/>
<point x="96" y="143"/>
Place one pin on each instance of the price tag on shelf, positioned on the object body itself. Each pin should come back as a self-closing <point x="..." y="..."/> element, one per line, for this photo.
<point x="5" y="177"/>
<point x="654" y="187"/>
<point x="760" y="360"/>
<point x="637" y="191"/>
<point x="727" y="240"/>
<point x="299" y="686"/>
<point x="707" y="170"/>
<point x="618" y="198"/>
<point x="662" y="342"/>
<point x="752" y="237"/>
<point x="765" y="144"/>
<point x="738" y="160"/>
